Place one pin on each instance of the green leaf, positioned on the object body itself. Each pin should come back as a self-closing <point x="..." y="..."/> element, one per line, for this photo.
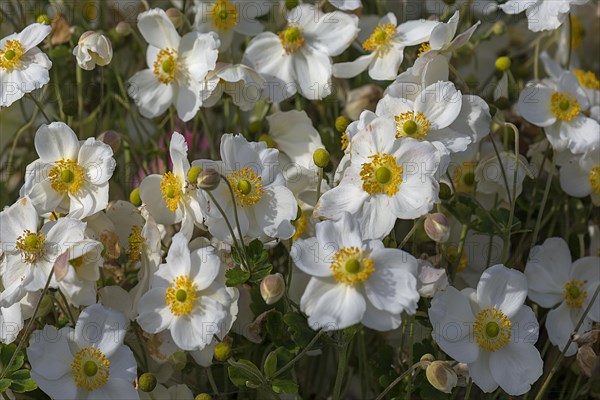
<point x="298" y="328"/>
<point x="284" y="386"/>
<point x="259" y="274"/>
<point x="236" y="277"/>
<point x="244" y="373"/>
<point x="22" y="382"/>
<point x="235" y="256"/>
<point x="256" y="252"/>
<point x="270" y="365"/>
<point x="273" y="324"/>
<point x="20" y="375"/>
<point x="6" y="354"/>
<point x="4" y="384"/>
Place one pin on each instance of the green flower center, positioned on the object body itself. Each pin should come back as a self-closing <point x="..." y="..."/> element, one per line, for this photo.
<point x="410" y="127"/>
<point x="90" y="368"/>
<point x="244" y="186"/>
<point x="352" y="266"/>
<point x="383" y="175"/>
<point x="492" y="329"/>
<point x="181" y="295"/>
<point x="10" y="54"/>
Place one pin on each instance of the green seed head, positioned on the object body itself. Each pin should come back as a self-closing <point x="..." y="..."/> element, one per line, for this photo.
<point x="67" y="176"/>
<point x="321" y="158"/>
<point x="134" y="197"/>
<point x="181" y="295"/>
<point x="193" y="173"/>
<point x="244" y="186"/>
<point x="90" y="368"/>
<point x="410" y="127"/>
<point x="147" y="382"/>
<point x="383" y="175"/>
<point x="492" y="329"/>
<point x="352" y="266"/>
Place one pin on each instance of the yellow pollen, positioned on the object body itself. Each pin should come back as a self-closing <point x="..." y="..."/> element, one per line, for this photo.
<point x="224" y="15"/>
<point x="181" y="296"/>
<point x="452" y="254"/>
<point x="351" y="266"/>
<point x="66" y="177"/>
<point x="587" y="79"/>
<point x="31" y="246"/>
<point x="10" y="55"/>
<point x="344" y="141"/>
<point x="170" y="187"/>
<point x="292" y="38"/>
<point x="564" y="106"/>
<point x="575" y="293"/>
<point x="136" y="244"/>
<point x="595" y="179"/>
<point x="380" y="39"/>
<point x="411" y="124"/>
<point x="300" y="225"/>
<point x="246" y="185"/>
<point x="77" y="262"/>
<point x="492" y="329"/>
<point x="90" y="368"/>
<point x="424" y="48"/>
<point x="165" y="65"/>
<point x="381" y="175"/>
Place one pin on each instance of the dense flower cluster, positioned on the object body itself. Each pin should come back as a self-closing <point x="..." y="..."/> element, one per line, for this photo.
<point x="407" y="191"/>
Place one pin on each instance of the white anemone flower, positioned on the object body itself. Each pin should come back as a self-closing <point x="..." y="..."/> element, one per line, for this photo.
<point x="30" y="252"/>
<point x="265" y="206"/>
<point x="542" y="15"/>
<point x="177" y="67"/>
<point x="188" y="297"/>
<point x="23" y="66"/>
<point x="386" y="179"/>
<point x="580" y="177"/>
<point x="354" y="280"/>
<point x="386" y="45"/>
<point x="555" y="280"/>
<point x="298" y="58"/>
<point x="346" y="5"/>
<point x="493" y="174"/>
<point x="491" y="330"/>
<point x="558" y="107"/>
<point x="70" y="176"/>
<point x="93" y="49"/>
<point x="243" y="84"/>
<point x="439" y="113"/>
<point x="226" y="17"/>
<point x="171" y="198"/>
<point x="77" y="364"/>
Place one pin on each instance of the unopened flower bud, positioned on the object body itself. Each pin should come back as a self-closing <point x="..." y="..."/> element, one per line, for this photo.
<point x="437" y="227"/>
<point x="427" y="357"/>
<point x="93" y="49"/>
<point x="178" y="360"/>
<point x="321" y="158"/>
<point x="341" y="123"/>
<point x="175" y="16"/>
<point x="441" y="376"/>
<point x="111" y="138"/>
<point x="222" y="351"/>
<point x="445" y="191"/>
<point x="135" y="198"/>
<point x="503" y="64"/>
<point x="43" y="19"/>
<point x="147" y="382"/>
<point x="193" y="173"/>
<point x="123" y="28"/>
<point x="499" y="28"/>
<point x="208" y="179"/>
<point x="267" y="139"/>
<point x="272" y="288"/>
<point x="203" y="396"/>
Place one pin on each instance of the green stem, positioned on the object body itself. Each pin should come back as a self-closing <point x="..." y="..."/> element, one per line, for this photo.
<point x="39" y="106"/>
<point x="79" y="81"/>
<point x="411" y="338"/>
<point x="536" y="229"/>
<point x="67" y="307"/>
<point x="398" y="380"/>
<point x="235" y="212"/>
<point x="560" y="357"/>
<point x="298" y="356"/>
<point x="341" y="369"/>
<point x="513" y="204"/>
<point x="319" y="184"/>
<point x="211" y="381"/>
<point x="570" y="41"/>
<point x="235" y="242"/>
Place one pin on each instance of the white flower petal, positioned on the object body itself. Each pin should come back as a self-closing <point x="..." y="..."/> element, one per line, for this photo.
<point x="56" y="142"/>
<point x="103" y="328"/>
<point x="547" y="271"/>
<point x="516" y="367"/>
<point x="158" y="30"/>
<point x="313" y="257"/>
<point x="503" y="288"/>
<point x="534" y="105"/>
<point x="441" y="103"/>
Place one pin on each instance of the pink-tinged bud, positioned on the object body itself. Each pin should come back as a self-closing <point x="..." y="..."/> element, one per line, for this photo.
<point x="93" y="49"/>
<point x="441" y="376"/>
<point x="437" y="227"/>
<point x="111" y="138"/>
<point x="272" y="288"/>
<point x="208" y="179"/>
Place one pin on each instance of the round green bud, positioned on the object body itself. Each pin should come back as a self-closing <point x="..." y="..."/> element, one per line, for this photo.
<point x="244" y="186"/>
<point x="134" y="197"/>
<point x="193" y="173"/>
<point x="222" y="351"/>
<point x="445" y="191"/>
<point x="147" y="382"/>
<point x="203" y="396"/>
<point x="43" y="19"/>
<point x="341" y="123"/>
<point x="503" y="64"/>
<point x="267" y="139"/>
<point x="321" y="158"/>
<point x="289" y="4"/>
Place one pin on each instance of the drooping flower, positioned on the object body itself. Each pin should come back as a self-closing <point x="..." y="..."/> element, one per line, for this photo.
<point x="354" y="280"/>
<point x="70" y="176"/>
<point x="23" y="66"/>
<point x="386" y="179"/>
<point x="491" y="330"/>
<point x="298" y="58"/>
<point x="177" y="67"/>
<point x="188" y="297"/>
<point x="264" y="204"/>
<point x="558" y="106"/>
<point x="555" y="280"/>
<point x="78" y="364"/>
<point x="386" y="45"/>
<point x="172" y="197"/>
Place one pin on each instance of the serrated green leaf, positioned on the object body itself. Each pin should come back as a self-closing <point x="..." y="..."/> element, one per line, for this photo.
<point x="6" y="354"/>
<point x="298" y="327"/>
<point x="246" y="371"/>
<point x="22" y="386"/>
<point x="236" y="277"/>
<point x="284" y="386"/>
<point x="20" y="375"/>
<point x="259" y="274"/>
<point x="4" y="384"/>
